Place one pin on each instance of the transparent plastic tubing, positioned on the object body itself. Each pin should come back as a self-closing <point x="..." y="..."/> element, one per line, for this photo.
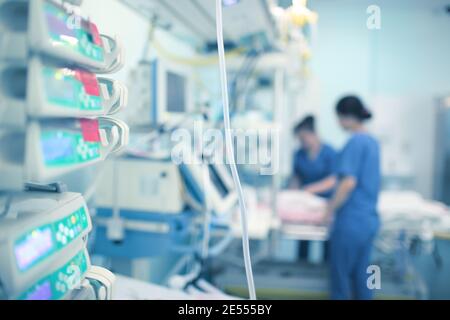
<point x="230" y="153"/>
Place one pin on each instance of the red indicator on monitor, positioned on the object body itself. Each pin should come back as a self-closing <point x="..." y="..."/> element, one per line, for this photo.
<point x="89" y="82"/>
<point x="90" y="130"/>
<point x="95" y="34"/>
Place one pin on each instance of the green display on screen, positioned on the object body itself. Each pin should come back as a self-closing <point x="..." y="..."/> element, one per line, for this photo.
<point x="36" y="245"/>
<point x="64" y="89"/>
<point x="56" y="285"/>
<point x="64" y="148"/>
<point x="70" y="32"/>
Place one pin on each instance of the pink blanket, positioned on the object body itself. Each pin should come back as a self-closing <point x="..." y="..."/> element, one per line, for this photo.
<point x="300" y="207"/>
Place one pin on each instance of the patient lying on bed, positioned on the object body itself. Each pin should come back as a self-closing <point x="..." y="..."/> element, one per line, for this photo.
<point x="297" y="206"/>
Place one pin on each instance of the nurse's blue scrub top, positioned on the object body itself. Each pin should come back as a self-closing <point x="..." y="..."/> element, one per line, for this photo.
<point x="360" y="159"/>
<point x="313" y="170"/>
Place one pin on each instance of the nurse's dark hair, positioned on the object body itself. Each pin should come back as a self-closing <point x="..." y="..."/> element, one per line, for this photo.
<point x="352" y="106"/>
<point x="308" y="123"/>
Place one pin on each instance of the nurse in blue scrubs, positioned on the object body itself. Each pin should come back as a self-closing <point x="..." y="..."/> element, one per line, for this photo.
<point x="314" y="163"/>
<point x="354" y="205"/>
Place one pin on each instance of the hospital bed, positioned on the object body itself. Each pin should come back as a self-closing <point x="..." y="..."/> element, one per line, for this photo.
<point x="407" y="219"/>
<point x="299" y="215"/>
<point x="405" y="216"/>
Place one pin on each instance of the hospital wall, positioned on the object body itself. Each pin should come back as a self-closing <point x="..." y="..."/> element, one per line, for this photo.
<point x="399" y="70"/>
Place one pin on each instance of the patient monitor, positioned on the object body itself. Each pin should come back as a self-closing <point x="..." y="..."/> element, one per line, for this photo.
<point x="161" y="93"/>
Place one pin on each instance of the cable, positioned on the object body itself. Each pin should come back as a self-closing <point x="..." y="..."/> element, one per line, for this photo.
<point x="207" y="211"/>
<point x="7" y="206"/>
<point x="200" y="61"/>
<point x="229" y="149"/>
<point x="224" y="243"/>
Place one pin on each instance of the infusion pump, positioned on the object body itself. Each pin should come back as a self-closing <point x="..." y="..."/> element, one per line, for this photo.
<point x="46" y="27"/>
<point x="43" y="252"/>
<point x="56" y="120"/>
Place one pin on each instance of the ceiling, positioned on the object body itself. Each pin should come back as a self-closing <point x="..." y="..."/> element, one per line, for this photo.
<point x="194" y="20"/>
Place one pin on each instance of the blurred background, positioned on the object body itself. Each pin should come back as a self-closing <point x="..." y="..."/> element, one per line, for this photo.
<point x="286" y="59"/>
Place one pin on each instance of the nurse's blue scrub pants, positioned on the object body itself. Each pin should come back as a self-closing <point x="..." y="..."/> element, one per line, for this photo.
<point x="350" y="249"/>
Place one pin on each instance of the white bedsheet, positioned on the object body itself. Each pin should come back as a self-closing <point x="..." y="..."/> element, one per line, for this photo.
<point x="399" y="210"/>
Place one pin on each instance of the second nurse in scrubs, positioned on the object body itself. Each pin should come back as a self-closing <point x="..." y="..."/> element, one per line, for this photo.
<point x="354" y="204"/>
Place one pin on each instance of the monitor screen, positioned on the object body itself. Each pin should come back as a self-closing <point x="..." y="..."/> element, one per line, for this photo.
<point x="176" y="93"/>
<point x="56" y="148"/>
<point x="33" y="247"/>
<point x="41" y="292"/>
<point x="58" y="87"/>
<point x="218" y="182"/>
<point x="73" y="89"/>
<point x="65" y="148"/>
